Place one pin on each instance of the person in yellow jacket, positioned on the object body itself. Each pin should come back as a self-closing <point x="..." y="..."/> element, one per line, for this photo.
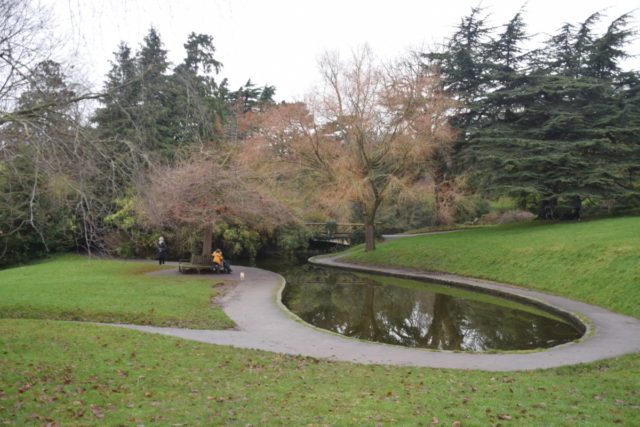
<point x="218" y="259"/>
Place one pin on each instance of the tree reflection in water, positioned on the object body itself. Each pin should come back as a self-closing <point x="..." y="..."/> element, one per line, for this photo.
<point x="415" y="314"/>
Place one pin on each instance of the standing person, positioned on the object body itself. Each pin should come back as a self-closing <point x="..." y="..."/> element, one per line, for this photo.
<point x="577" y="207"/>
<point x="161" y="249"/>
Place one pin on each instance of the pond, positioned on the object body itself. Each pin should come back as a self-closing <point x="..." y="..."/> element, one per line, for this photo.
<point x="416" y="314"/>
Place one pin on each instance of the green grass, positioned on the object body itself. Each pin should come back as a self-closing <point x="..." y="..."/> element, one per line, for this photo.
<point x="75" y="287"/>
<point x="433" y="228"/>
<point x="62" y="373"/>
<point x="82" y="374"/>
<point x="597" y="261"/>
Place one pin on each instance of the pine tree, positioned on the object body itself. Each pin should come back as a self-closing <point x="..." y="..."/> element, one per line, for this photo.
<point x="565" y="129"/>
<point x="154" y="115"/>
<point x="200" y="52"/>
<point x="195" y="113"/>
<point x="171" y="113"/>
<point x="117" y="118"/>
<point x="464" y="68"/>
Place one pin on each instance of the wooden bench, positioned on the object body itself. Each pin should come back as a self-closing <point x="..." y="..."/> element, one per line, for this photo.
<point x="198" y="263"/>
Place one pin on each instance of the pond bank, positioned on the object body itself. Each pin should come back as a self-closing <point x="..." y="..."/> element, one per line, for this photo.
<point x="264" y="324"/>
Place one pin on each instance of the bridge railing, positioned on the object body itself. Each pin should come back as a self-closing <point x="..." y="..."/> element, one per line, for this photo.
<point x="335" y="228"/>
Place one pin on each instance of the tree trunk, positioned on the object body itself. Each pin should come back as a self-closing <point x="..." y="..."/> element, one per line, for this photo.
<point x="439" y="211"/>
<point x="369" y="235"/>
<point x="370" y="224"/>
<point x="207" y="238"/>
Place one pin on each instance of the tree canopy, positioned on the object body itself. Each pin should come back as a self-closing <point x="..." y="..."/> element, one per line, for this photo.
<point x="363" y="140"/>
<point x="555" y="124"/>
<point x="172" y="148"/>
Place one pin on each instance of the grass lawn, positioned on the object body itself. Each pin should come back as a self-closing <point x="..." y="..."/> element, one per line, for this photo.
<point x="83" y="374"/>
<point x="74" y="287"/>
<point x="62" y="373"/>
<point x="595" y="261"/>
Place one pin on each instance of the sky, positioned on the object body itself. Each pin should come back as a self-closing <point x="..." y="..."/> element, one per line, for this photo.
<point x="278" y="42"/>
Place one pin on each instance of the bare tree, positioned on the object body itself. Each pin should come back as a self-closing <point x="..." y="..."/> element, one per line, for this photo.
<point x="428" y="110"/>
<point x="204" y="191"/>
<point x="57" y="181"/>
<point x="24" y="42"/>
<point x="363" y="139"/>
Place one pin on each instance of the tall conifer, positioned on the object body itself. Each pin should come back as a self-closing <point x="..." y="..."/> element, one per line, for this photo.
<point x="554" y="126"/>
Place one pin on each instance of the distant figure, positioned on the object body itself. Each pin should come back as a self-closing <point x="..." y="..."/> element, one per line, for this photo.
<point x="161" y="250"/>
<point x="219" y="261"/>
<point x="577" y="208"/>
<point x="547" y="209"/>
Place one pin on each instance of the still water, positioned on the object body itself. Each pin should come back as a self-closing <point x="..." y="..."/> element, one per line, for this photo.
<point x="416" y="314"/>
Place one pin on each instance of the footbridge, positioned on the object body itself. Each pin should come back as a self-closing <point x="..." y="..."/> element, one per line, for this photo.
<point x="333" y="232"/>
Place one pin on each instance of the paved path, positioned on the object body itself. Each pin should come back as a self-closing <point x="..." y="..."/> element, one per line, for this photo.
<point x="263" y="323"/>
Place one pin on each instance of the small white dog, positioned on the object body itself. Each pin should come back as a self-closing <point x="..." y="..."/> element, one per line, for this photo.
<point x="242" y="275"/>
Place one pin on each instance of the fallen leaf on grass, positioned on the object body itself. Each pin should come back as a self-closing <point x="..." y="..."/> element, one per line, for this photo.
<point x="35" y="417"/>
<point x="97" y="411"/>
<point x="25" y="388"/>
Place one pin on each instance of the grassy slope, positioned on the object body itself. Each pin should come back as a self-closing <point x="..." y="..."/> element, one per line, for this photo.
<point x="80" y="288"/>
<point x="596" y="262"/>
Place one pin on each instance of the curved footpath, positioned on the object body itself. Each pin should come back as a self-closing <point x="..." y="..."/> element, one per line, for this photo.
<point x="264" y="323"/>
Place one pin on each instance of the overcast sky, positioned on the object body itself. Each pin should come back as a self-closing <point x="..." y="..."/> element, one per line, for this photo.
<point x="278" y="42"/>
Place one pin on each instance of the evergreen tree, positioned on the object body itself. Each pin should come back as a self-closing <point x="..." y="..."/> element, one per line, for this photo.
<point x="465" y="74"/>
<point x="155" y="95"/>
<point x="195" y="111"/>
<point x="565" y="129"/>
<point x="464" y="68"/>
<point x="150" y="109"/>
<point x="243" y="102"/>
<point x="138" y="111"/>
<point x="200" y="52"/>
<point x="117" y="118"/>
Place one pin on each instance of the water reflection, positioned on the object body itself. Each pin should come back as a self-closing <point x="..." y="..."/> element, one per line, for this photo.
<point x="415" y="314"/>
